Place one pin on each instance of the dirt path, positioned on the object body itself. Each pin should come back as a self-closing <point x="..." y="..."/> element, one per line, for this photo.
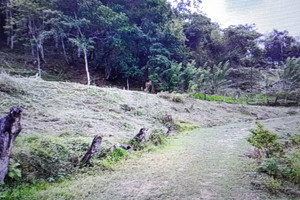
<point x="205" y="164"/>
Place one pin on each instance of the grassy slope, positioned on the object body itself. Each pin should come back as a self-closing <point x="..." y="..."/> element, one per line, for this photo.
<point x="205" y="164"/>
<point x="54" y="108"/>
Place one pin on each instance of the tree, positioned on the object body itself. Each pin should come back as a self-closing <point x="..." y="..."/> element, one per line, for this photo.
<point x="199" y="30"/>
<point x="210" y="79"/>
<point x="290" y="75"/>
<point x="84" y="44"/>
<point x="187" y="5"/>
<point x="30" y="21"/>
<point x="277" y="45"/>
<point x="241" y="44"/>
<point x="187" y="75"/>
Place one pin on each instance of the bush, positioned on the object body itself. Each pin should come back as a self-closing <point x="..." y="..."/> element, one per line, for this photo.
<point x="296" y="139"/>
<point x="270" y="166"/>
<point x="158" y="138"/>
<point x="137" y="145"/>
<point x="177" y="99"/>
<point x="48" y="158"/>
<point x="199" y="96"/>
<point x="183" y="127"/>
<point x="263" y="139"/>
<point x="14" y="171"/>
<point x="10" y="85"/>
<point x="219" y="98"/>
<point x="229" y="100"/>
<point x="294" y="163"/>
<point x="114" y="157"/>
<point x="273" y="185"/>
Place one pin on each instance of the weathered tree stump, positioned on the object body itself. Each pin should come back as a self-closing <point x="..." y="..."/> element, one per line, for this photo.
<point x="10" y="127"/>
<point x="149" y="87"/>
<point x="169" y="124"/>
<point x="141" y="136"/>
<point x="92" y="150"/>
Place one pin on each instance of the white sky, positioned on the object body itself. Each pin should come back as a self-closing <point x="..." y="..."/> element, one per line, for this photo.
<point x="266" y="14"/>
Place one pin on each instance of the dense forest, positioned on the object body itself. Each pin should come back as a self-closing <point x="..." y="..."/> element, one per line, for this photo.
<point x="142" y="40"/>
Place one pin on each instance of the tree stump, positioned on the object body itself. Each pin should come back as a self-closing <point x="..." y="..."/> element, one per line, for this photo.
<point x="92" y="150"/>
<point x="169" y="124"/>
<point x="10" y="127"/>
<point x="141" y="136"/>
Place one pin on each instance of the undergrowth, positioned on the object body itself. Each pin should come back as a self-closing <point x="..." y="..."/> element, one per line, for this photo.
<point x="280" y="162"/>
<point x="10" y="86"/>
<point x="114" y="157"/>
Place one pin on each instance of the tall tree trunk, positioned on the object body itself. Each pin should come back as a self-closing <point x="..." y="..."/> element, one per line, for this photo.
<point x="56" y="41"/>
<point x="8" y="40"/>
<point x="127" y="84"/>
<point x="107" y="70"/>
<point x="32" y="48"/>
<point x="64" y="50"/>
<point x="12" y="42"/>
<point x="87" y="67"/>
<point x="10" y="127"/>
<point x="41" y="48"/>
<point x="38" y="61"/>
<point x="7" y="21"/>
<point x="79" y="52"/>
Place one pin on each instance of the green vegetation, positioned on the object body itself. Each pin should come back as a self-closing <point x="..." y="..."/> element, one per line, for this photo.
<point x="48" y="158"/>
<point x="273" y="185"/>
<point x="22" y="191"/>
<point x="158" y="137"/>
<point x="114" y="157"/>
<point x="176" y="49"/>
<point x="10" y="86"/>
<point x="100" y="41"/>
<point x="266" y="141"/>
<point x="215" y="98"/>
<point x="282" y="164"/>
<point x="184" y="127"/>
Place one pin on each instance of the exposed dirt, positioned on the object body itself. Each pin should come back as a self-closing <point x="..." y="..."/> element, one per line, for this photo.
<point x="205" y="164"/>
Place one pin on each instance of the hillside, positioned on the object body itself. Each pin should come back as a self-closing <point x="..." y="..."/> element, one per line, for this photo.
<point x="54" y="108"/>
<point x="60" y="120"/>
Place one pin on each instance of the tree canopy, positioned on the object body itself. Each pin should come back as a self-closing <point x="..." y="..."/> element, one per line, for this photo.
<point x="139" y="40"/>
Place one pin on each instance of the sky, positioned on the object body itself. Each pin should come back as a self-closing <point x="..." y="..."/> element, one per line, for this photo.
<point x="266" y="14"/>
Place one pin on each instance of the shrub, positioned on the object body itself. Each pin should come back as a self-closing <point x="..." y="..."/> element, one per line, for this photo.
<point x="50" y="157"/>
<point x="158" y="137"/>
<point x="219" y="98"/>
<point x="263" y="139"/>
<point x="199" y="96"/>
<point x="10" y="85"/>
<point x="273" y="185"/>
<point x="294" y="163"/>
<point x="296" y="139"/>
<point x="114" y="157"/>
<point x="177" y="99"/>
<point x="184" y="127"/>
<point x="137" y="145"/>
<point x="14" y="171"/>
<point x="210" y="98"/>
<point x="229" y="100"/>
<point x="270" y="166"/>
